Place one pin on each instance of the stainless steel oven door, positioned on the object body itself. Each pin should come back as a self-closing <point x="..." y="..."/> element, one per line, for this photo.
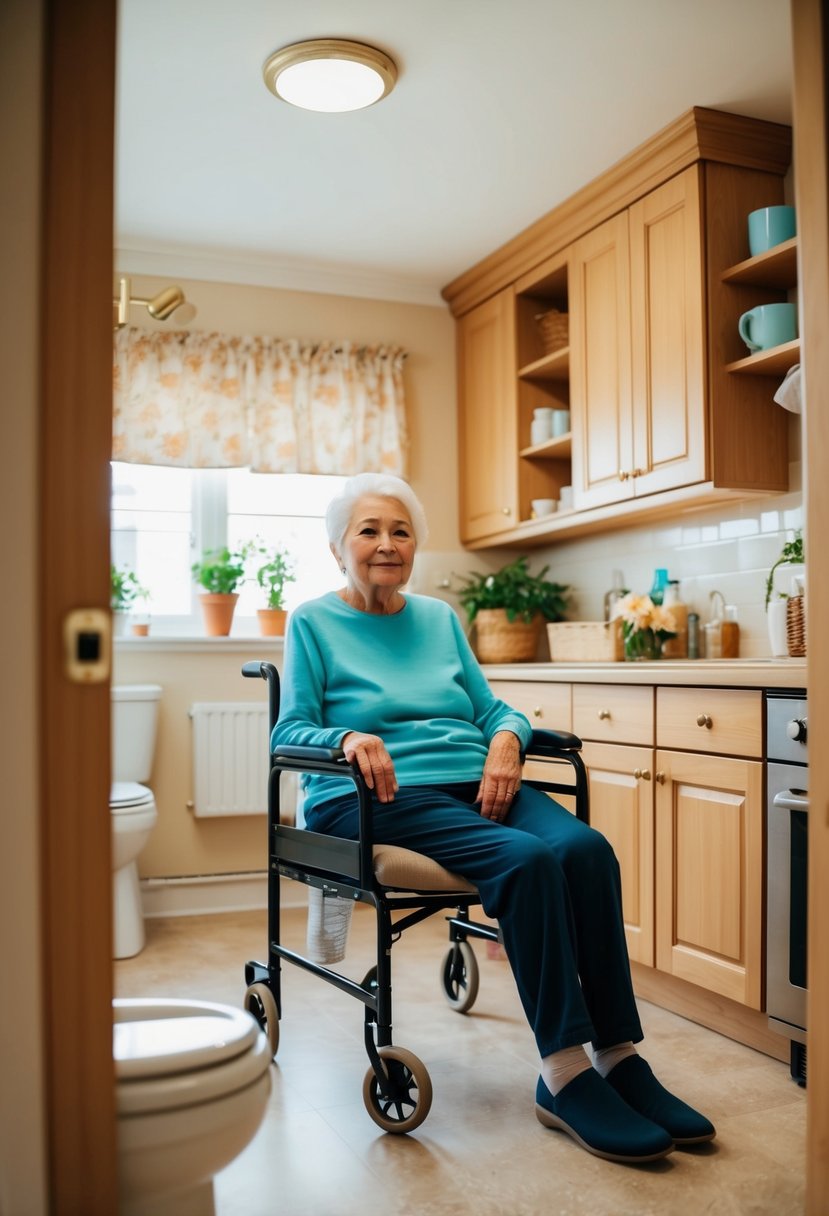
<point x="787" y="870"/>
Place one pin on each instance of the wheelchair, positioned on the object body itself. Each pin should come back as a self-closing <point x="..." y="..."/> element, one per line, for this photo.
<point x="397" y="1090"/>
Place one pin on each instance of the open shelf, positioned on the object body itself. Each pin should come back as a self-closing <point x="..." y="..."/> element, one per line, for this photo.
<point x="773" y="362"/>
<point x="550" y="449"/>
<point x="777" y="267"/>
<point x="555" y="366"/>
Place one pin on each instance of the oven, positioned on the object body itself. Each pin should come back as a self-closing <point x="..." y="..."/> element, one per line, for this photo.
<point x="787" y="863"/>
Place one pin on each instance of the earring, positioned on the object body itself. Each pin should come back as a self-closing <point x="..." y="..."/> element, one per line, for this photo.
<point x="343" y="569"/>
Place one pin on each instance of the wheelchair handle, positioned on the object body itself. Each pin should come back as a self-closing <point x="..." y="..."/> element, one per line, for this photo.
<point x="257" y="670"/>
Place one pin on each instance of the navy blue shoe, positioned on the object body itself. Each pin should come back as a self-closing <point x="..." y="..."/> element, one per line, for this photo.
<point x="597" y="1118"/>
<point x="633" y="1080"/>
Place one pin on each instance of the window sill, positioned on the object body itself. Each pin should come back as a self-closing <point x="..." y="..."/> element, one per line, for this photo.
<point x="253" y="646"/>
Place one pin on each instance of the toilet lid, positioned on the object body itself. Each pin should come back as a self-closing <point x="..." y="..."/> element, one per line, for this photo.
<point x="129" y="794"/>
<point x="171" y="1053"/>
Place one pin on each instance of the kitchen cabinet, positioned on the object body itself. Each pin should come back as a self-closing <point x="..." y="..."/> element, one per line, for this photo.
<point x="616" y="725"/>
<point x="709" y="840"/>
<point x="488" y="418"/>
<point x="775" y="272"/>
<point x="643" y="261"/>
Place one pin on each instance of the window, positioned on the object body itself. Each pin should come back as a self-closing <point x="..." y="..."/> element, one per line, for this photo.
<point x="163" y="519"/>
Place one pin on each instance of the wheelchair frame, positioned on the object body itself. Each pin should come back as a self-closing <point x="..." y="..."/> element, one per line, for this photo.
<point x="397" y="1089"/>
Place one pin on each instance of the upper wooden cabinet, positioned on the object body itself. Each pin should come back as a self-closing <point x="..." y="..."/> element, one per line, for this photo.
<point x="644" y="263"/>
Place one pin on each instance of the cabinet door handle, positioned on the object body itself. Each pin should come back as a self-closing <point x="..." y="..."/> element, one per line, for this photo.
<point x="637" y="472"/>
<point x="623" y="474"/>
<point x="506" y="510"/>
<point x="604" y="714"/>
<point x="704" y="720"/>
<point x="660" y="777"/>
<point x="642" y="774"/>
<point x="538" y="712"/>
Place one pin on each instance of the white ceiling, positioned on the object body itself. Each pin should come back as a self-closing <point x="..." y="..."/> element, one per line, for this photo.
<point x="502" y="109"/>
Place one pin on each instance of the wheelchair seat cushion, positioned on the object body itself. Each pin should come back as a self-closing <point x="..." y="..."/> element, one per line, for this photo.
<point x="403" y="869"/>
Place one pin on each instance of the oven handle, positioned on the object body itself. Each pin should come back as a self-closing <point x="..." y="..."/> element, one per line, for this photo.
<point x="788" y="800"/>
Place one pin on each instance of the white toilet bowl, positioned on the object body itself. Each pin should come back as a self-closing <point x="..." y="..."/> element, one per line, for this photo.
<point x="192" y="1085"/>
<point x="132" y="807"/>
<point x="133" y="815"/>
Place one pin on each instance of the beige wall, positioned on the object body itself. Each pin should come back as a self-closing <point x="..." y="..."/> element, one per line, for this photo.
<point x="22" y="1130"/>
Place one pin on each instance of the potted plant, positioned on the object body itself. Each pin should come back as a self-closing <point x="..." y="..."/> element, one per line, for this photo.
<point x="272" y="575"/>
<point x="646" y="626"/>
<point x="791" y="556"/>
<point x="509" y="608"/>
<point x="219" y="572"/>
<point x="125" y="592"/>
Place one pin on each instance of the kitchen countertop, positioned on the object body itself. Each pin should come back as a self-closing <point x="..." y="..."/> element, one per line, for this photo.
<point x="704" y="673"/>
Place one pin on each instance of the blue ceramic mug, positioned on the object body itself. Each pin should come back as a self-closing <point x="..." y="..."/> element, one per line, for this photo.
<point x="768" y="325"/>
<point x="770" y="226"/>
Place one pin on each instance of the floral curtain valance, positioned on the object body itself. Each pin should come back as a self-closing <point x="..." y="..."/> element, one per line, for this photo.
<point x="200" y="400"/>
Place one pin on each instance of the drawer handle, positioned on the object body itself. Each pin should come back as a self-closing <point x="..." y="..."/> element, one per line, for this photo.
<point x="660" y="777"/>
<point x="704" y="720"/>
<point x="538" y="712"/>
<point x="642" y="774"/>
<point x="506" y="510"/>
<point x="604" y="714"/>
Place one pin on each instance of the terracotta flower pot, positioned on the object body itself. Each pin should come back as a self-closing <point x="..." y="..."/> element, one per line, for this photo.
<point x="218" y="613"/>
<point x="272" y="622"/>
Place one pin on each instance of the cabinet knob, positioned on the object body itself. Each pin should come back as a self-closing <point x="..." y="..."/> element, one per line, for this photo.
<point x="660" y="777"/>
<point x="604" y="714"/>
<point x="506" y="510"/>
<point x="642" y="774"/>
<point x="538" y="712"/>
<point x="704" y="720"/>
<point x="637" y="472"/>
<point x="623" y="474"/>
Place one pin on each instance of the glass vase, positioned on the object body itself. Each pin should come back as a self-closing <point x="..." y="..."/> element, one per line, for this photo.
<point x="642" y="646"/>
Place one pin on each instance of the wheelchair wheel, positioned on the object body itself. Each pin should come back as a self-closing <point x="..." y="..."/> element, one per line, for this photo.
<point x="411" y="1097"/>
<point x="260" y="1002"/>
<point x="459" y="976"/>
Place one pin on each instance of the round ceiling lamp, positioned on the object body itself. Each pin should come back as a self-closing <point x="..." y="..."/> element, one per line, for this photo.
<point x="330" y="75"/>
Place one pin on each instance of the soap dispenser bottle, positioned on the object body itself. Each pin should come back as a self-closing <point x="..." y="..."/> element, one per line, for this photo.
<point x="713" y="630"/>
<point x="677" y="646"/>
<point x="612" y="597"/>
<point x="660" y="582"/>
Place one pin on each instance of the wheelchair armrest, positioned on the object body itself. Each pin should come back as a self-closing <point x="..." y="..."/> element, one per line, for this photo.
<point x="310" y="753"/>
<point x="549" y="742"/>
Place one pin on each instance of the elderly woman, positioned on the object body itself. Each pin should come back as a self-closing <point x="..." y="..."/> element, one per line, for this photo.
<point x="391" y="680"/>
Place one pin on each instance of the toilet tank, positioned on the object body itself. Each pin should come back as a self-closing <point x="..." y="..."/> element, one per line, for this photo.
<point x="134" y="721"/>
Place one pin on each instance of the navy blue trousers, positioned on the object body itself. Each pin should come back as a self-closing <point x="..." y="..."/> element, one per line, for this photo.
<point x="551" y="882"/>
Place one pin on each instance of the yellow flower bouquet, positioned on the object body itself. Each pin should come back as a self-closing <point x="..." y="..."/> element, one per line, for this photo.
<point x="645" y="626"/>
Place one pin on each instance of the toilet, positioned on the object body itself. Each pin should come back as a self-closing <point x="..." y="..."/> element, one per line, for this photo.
<point x="132" y="806"/>
<point x="192" y="1085"/>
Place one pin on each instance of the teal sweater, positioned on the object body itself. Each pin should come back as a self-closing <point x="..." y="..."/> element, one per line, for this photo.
<point x="410" y="678"/>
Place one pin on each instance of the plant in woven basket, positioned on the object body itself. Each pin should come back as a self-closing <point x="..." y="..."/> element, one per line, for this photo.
<point x="509" y="608"/>
<point x="791" y="555"/>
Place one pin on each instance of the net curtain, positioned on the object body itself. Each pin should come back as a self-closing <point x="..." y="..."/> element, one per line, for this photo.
<point x="207" y="400"/>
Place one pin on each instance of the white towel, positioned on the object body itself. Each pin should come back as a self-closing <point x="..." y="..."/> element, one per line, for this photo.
<point x="329" y="919"/>
<point x="789" y="393"/>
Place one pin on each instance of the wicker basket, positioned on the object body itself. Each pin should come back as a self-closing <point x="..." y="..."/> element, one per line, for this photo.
<point x="796" y="627"/>
<point x="586" y="641"/>
<point x="499" y="640"/>
<point x="553" y="329"/>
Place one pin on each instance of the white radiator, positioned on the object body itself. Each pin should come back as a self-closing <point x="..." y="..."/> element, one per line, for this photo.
<point x="230" y="758"/>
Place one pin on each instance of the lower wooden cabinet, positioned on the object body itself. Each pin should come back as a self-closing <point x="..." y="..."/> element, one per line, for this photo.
<point x="621" y="808"/>
<point x="709" y="872"/>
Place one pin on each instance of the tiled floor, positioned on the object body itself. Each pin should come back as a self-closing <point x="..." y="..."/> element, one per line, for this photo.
<point x="481" y="1149"/>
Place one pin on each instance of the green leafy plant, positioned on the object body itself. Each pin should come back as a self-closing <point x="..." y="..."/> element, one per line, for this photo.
<point x="274" y="573"/>
<point x="125" y="590"/>
<point x="791" y="554"/>
<point x="514" y="589"/>
<point x="220" y="572"/>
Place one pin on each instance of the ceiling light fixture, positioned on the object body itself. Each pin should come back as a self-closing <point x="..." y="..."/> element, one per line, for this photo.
<point x="330" y="75"/>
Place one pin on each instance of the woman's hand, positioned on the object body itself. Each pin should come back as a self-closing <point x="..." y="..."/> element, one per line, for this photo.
<point x="501" y="778"/>
<point x="373" y="761"/>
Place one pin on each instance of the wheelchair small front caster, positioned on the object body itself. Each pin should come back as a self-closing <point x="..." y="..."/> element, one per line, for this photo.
<point x="459" y="976"/>
<point x="410" y="1099"/>
<point x="260" y="1002"/>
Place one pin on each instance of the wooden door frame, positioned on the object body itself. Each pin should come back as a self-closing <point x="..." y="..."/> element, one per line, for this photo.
<point x="810" y="29"/>
<point x="75" y="427"/>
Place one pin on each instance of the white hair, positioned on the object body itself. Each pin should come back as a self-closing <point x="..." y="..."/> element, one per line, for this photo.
<point x="382" y="485"/>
